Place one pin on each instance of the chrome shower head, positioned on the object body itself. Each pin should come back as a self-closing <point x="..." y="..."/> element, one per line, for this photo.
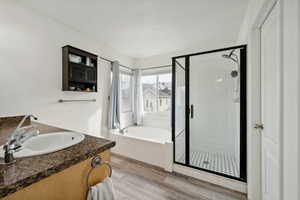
<point x="225" y="56"/>
<point x="231" y="56"/>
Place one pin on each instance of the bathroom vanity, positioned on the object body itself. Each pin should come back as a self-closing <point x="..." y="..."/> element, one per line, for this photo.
<point x="54" y="176"/>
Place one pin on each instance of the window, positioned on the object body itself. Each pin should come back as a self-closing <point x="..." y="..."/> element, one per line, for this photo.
<point x="157" y="92"/>
<point x="126" y="92"/>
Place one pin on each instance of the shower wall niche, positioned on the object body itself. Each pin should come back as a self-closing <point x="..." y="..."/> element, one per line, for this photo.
<point x="209" y="111"/>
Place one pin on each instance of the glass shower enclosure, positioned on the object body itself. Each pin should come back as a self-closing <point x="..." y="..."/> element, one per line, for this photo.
<point x="209" y="111"/>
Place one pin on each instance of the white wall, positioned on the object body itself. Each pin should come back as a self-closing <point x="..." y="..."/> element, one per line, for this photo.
<point x="214" y="126"/>
<point x="166" y="59"/>
<point x="160" y="119"/>
<point x="299" y="107"/>
<point x="291" y="99"/>
<point x="252" y="14"/>
<point x="31" y="70"/>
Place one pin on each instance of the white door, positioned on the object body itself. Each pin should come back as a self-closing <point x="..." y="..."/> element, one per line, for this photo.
<point x="270" y="105"/>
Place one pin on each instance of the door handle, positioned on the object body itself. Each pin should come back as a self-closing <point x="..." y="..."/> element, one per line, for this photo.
<point x="259" y="126"/>
<point x="192" y="111"/>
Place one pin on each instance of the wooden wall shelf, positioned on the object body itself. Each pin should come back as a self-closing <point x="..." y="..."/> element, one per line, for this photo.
<point x="79" y="70"/>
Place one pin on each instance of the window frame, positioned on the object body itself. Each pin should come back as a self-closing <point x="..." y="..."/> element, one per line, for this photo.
<point x="156" y="74"/>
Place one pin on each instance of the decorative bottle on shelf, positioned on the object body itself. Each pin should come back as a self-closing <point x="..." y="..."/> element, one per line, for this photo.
<point x="88" y="61"/>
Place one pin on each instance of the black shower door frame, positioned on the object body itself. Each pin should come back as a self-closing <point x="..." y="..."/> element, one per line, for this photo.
<point x="243" y="110"/>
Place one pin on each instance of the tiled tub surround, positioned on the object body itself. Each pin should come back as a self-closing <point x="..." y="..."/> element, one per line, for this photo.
<point x="27" y="171"/>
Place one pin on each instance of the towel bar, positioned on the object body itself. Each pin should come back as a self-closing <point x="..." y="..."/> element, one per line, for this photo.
<point x="96" y="162"/>
<point x="76" y="100"/>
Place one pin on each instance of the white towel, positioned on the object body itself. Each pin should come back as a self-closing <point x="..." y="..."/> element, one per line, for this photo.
<point x="102" y="191"/>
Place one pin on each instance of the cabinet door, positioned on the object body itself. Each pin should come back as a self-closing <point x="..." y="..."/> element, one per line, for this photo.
<point x="69" y="184"/>
<point x="91" y="75"/>
<point x="77" y="74"/>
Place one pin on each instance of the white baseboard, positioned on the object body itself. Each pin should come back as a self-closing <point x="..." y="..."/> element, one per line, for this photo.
<point x="212" y="178"/>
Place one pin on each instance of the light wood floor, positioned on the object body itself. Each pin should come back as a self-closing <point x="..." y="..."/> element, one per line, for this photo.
<point x="137" y="181"/>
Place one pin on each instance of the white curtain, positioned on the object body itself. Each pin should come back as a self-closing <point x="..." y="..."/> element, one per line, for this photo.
<point x="138" y="97"/>
<point x="114" y="109"/>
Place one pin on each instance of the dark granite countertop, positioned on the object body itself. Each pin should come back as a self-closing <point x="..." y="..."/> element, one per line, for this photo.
<point x="27" y="171"/>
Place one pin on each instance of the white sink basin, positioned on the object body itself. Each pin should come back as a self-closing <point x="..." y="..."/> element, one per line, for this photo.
<point x="47" y="143"/>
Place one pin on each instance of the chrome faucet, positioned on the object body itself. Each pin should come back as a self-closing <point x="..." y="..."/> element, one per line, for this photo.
<point x="19" y="136"/>
<point x="123" y="130"/>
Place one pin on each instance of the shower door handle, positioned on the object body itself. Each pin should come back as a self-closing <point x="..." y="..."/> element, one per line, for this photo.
<point x="192" y="111"/>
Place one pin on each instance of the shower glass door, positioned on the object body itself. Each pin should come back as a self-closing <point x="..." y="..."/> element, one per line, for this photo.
<point x="214" y="136"/>
<point x="179" y="130"/>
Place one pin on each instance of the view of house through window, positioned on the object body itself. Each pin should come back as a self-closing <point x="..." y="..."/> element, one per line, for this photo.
<point x="157" y="92"/>
<point x="126" y="92"/>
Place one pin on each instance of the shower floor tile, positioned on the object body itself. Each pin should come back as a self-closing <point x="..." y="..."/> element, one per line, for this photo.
<point x="216" y="162"/>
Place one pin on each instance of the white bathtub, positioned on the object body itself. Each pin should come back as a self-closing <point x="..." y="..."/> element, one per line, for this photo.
<point x="147" y="144"/>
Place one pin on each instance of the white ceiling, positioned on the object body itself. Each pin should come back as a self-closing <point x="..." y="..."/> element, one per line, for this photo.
<point x="141" y="28"/>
